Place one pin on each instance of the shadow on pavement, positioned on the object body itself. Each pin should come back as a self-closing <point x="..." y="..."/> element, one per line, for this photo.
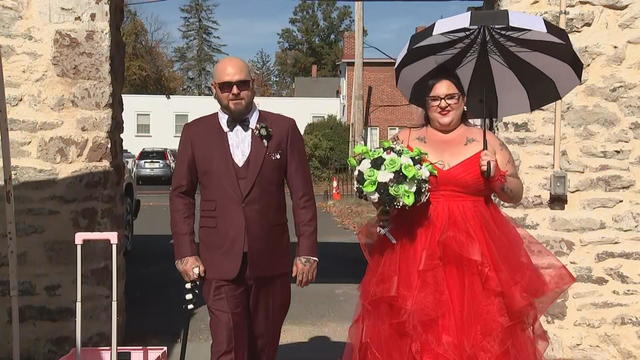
<point x="316" y="348"/>
<point x="340" y="263"/>
<point x="153" y="293"/>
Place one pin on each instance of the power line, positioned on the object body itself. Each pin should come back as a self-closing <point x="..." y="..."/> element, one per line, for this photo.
<point x="142" y="2"/>
<point x="380" y="51"/>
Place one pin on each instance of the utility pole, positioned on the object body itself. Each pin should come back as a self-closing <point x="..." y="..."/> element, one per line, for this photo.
<point x="357" y="98"/>
<point x="10" y="219"/>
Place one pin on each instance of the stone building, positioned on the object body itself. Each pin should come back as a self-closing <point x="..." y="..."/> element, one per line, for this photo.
<point x="597" y="235"/>
<point x="63" y="70"/>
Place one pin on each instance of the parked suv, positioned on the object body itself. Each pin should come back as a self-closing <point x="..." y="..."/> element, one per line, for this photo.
<point x="131" y="206"/>
<point x="154" y="164"/>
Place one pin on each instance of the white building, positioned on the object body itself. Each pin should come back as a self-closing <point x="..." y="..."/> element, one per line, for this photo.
<point x="156" y="121"/>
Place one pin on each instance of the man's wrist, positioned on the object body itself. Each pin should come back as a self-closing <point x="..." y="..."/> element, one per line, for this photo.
<point x="309" y="257"/>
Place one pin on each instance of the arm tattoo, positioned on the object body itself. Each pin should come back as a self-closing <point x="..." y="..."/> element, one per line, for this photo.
<point x="470" y="140"/>
<point x="422" y="139"/>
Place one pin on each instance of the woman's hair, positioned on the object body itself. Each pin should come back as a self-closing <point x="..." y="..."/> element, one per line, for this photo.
<point x="444" y="74"/>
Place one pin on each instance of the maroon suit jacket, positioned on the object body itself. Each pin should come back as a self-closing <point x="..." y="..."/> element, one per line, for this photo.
<point x="226" y="211"/>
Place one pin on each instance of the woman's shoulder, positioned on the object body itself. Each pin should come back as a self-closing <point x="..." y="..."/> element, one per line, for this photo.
<point x="404" y="135"/>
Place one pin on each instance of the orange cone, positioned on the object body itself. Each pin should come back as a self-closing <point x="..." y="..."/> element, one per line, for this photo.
<point x="335" y="189"/>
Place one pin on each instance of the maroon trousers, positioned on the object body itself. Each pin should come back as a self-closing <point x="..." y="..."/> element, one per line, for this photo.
<point x="246" y="315"/>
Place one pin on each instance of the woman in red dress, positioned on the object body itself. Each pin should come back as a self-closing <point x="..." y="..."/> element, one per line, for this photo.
<point x="462" y="282"/>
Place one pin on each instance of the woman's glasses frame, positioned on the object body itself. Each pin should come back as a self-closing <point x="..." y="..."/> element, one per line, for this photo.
<point x="449" y="99"/>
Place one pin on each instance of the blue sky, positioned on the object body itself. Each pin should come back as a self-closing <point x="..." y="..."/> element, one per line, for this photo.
<point x="249" y="25"/>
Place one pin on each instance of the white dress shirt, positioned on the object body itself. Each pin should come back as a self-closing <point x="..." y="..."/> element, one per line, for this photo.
<point x="239" y="140"/>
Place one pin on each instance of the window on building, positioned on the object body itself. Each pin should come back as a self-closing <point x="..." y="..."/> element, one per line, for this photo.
<point x="143" y="124"/>
<point x="317" y="117"/>
<point x="392" y="131"/>
<point x="180" y="120"/>
<point x="373" y="138"/>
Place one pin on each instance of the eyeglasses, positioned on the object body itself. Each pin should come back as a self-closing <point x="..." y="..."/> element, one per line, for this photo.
<point x="449" y="99"/>
<point x="226" y="87"/>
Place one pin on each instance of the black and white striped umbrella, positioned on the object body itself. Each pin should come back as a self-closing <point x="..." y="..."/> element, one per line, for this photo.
<point x="509" y="62"/>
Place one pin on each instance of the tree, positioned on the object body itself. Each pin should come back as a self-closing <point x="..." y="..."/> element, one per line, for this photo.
<point x="263" y="73"/>
<point x="201" y="45"/>
<point x="148" y="68"/>
<point x="314" y="37"/>
<point x="327" y="146"/>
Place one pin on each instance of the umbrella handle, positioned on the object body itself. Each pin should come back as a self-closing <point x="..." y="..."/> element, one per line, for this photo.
<point x="487" y="174"/>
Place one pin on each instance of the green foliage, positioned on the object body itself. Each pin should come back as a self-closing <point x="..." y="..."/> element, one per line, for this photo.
<point x="200" y="46"/>
<point x="263" y="73"/>
<point x="148" y="68"/>
<point x="315" y="37"/>
<point x="327" y="146"/>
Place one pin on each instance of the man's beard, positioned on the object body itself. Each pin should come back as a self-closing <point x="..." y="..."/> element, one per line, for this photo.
<point x="239" y="112"/>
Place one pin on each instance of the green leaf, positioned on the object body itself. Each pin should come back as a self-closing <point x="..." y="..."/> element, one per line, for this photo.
<point x="409" y="171"/>
<point x="360" y="150"/>
<point x="386" y="144"/>
<point x="352" y="162"/>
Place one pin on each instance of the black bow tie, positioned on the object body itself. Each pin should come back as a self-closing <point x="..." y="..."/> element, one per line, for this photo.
<point x="232" y="123"/>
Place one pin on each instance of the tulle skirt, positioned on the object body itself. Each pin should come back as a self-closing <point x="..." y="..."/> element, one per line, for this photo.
<point x="462" y="282"/>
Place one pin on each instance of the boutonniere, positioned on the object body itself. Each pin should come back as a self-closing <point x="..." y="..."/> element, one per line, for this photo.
<point x="263" y="132"/>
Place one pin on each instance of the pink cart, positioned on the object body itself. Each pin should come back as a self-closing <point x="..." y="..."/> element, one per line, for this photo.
<point x="106" y="353"/>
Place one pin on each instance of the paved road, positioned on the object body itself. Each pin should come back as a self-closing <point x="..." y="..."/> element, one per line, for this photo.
<point x="318" y="320"/>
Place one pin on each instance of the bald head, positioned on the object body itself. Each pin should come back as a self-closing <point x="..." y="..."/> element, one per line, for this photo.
<point x="233" y="87"/>
<point x="231" y="69"/>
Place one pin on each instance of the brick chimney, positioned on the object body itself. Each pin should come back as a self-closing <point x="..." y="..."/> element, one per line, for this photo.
<point x="314" y="71"/>
<point x="420" y="28"/>
<point x="349" y="45"/>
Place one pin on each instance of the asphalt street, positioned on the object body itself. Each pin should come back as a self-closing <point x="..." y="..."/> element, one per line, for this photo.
<point x="319" y="317"/>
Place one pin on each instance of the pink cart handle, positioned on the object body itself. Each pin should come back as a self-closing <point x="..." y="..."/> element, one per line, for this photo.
<point x="112" y="237"/>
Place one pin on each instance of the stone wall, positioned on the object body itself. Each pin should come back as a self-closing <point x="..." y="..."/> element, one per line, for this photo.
<point x="63" y="75"/>
<point x="598" y="234"/>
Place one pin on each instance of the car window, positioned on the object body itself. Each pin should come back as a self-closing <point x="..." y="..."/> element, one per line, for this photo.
<point x="152" y="155"/>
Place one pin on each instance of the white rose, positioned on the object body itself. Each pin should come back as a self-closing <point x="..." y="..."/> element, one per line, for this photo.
<point x="384" y="176"/>
<point x="365" y="164"/>
<point x="425" y="173"/>
<point x="406" y="160"/>
<point x="387" y="155"/>
<point x="374" y="197"/>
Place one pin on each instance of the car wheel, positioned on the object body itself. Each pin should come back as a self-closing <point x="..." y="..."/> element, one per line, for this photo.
<point x="128" y="224"/>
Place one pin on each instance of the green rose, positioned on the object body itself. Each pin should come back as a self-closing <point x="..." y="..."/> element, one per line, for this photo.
<point x="352" y="162"/>
<point x="397" y="190"/>
<point x="416" y="152"/>
<point x="409" y="170"/>
<point x="360" y="149"/>
<point x="386" y="144"/>
<point x="375" y="153"/>
<point x="370" y="186"/>
<point x="392" y="164"/>
<point x="371" y="174"/>
<point x="408" y="198"/>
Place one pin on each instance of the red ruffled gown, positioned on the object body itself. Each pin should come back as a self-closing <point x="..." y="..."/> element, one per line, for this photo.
<point x="461" y="283"/>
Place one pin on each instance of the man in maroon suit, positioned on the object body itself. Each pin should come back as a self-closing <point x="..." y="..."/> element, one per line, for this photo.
<point x="240" y="158"/>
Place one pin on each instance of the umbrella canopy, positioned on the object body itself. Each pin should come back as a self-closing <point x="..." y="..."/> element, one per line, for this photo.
<point x="509" y="62"/>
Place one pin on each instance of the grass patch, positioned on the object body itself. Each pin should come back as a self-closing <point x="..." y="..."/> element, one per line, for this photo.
<point x="349" y="212"/>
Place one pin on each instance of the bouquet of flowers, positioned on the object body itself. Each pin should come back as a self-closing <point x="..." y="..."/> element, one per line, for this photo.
<point x="392" y="176"/>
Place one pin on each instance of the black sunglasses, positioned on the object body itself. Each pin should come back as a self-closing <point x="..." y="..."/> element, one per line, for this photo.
<point x="226" y="87"/>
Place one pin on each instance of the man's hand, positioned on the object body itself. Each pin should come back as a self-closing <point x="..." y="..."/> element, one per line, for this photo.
<point x="190" y="267"/>
<point x="304" y="270"/>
